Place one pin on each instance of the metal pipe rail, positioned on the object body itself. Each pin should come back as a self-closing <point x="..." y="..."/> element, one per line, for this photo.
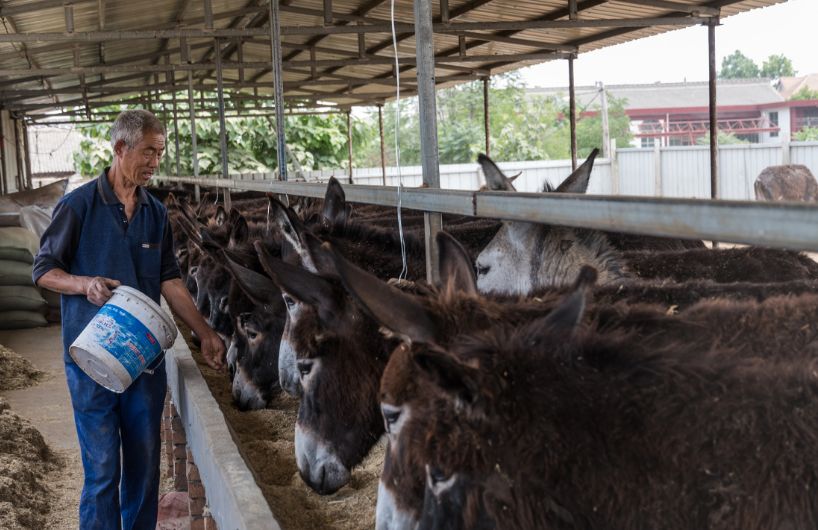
<point x="776" y="225"/>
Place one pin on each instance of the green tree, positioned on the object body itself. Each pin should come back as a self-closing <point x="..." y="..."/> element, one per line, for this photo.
<point x="805" y="93"/>
<point x="724" y="139"/>
<point x="810" y="134"/>
<point x="737" y="65"/>
<point x="777" y="66"/>
<point x="589" y="129"/>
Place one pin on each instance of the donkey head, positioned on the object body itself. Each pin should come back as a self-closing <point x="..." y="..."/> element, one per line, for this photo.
<point x="523" y="257"/>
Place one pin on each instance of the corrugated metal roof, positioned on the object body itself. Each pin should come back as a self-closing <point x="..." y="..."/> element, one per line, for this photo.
<point x="731" y="92"/>
<point x="340" y="76"/>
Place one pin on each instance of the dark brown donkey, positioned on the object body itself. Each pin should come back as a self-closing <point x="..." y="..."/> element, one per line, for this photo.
<point x="457" y="313"/>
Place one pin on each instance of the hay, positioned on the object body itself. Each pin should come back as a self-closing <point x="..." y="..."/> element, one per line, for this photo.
<point x="265" y="439"/>
<point x="15" y="371"/>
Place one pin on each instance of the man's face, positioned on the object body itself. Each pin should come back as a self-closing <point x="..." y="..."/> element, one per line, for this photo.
<point x="139" y="162"/>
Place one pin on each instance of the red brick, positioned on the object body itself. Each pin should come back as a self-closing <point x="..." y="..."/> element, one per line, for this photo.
<point x="197" y="506"/>
<point x="210" y="523"/>
<point x="195" y="489"/>
<point x="197" y="523"/>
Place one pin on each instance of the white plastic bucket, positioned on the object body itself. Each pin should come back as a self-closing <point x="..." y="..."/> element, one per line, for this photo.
<point x="125" y="336"/>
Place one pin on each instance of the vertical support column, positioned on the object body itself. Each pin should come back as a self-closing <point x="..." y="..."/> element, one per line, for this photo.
<point x="606" y="129"/>
<point x="383" y="151"/>
<point x="349" y="144"/>
<point x="425" y="51"/>
<point x="222" y="129"/>
<point x="192" y="118"/>
<point x="278" y="82"/>
<point x="572" y="113"/>
<point x="486" y="128"/>
<point x="714" y="128"/>
<point x="572" y="100"/>
<point x="27" y="149"/>
<point x="4" y="185"/>
<point x="21" y="179"/>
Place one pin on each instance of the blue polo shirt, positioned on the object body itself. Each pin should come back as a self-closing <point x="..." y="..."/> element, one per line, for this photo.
<point x="90" y="235"/>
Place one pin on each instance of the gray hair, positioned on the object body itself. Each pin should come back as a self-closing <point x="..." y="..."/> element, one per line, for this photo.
<point x="131" y="125"/>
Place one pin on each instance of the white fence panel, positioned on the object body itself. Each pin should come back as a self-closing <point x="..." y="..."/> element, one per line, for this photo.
<point x="805" y="153"/>
<point x="668" y="172"/>
<point x="637" y="172"/>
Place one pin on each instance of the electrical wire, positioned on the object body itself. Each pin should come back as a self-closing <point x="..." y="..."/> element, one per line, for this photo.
<point x="405" y="270"/>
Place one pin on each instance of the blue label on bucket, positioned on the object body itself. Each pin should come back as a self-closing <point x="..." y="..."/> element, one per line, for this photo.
<point x="126" y="338"/>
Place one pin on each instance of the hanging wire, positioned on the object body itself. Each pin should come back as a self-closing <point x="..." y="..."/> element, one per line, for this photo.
<point x="405" y="270"/>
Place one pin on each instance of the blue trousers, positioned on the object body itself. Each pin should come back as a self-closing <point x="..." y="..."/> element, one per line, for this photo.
<point x="119" y="492"/>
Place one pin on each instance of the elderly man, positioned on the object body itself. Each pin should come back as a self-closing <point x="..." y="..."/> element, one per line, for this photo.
<point x="106" y="233"/>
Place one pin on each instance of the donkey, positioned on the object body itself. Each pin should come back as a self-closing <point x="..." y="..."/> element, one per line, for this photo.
<point x="565" y="426"/>
<point x="526" y="256"/>
<point x="458" y="314"/>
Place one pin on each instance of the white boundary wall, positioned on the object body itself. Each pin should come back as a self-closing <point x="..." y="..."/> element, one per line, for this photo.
<point x="662" y="172"/>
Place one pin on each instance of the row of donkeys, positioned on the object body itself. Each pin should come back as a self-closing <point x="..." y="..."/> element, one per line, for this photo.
<point x="565" y="378"/>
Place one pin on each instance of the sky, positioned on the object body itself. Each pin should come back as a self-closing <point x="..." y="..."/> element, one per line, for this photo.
<point x="788" y="28"/>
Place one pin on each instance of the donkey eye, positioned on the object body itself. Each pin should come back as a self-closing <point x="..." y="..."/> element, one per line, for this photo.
<point x="436" y="475"/>
<point x="289" y="301"/>
<point x="482" y="270"/>
<point x="304" y="368"/>
<point x="391" y="414"/>
<point x="251" y="335"/>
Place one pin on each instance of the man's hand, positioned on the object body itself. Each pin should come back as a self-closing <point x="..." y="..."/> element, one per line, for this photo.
<point x="181" y="303"/>
<point x="98" y="289"/>
<point x="213" y="350"/>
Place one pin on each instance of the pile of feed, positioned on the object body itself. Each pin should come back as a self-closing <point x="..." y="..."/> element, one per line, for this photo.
<point x="15" y="371"/>
<point x="25" y="465"/>
<point x="265" y="439"/>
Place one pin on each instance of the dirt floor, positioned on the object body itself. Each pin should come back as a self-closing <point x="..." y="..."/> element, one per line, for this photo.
<point x="38" y="469"/>
<point x="265" y="438"/>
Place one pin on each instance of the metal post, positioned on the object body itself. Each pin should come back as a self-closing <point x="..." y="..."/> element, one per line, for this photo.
<point x="27" y="148"/>
<point x="278" y="81"/>
<point x="4" y="188"/>
<point x="383" y="152"/>
<point x="192" y="118"/>
<point x="176" y="134"/>
<point x="572" y="113"/>
<point x="222" y="130"/>
<point x="714" y="129"/>
<point x="425" y="51"/>
<point x="486" y="82"/>
<point x="21" y="185"/>
<point x="606" y="131"/>
<point x="349" y="144"/>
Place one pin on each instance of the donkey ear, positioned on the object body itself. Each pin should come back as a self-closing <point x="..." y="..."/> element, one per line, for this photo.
<point x="239" y="232"/>
<point x="221" y="216"/>
<point x="320" y="256"/>
<point x="257" y="287"/>
<point x="456" y="269"/>
<point x="399" y="312"/>
<point x="568" y="314"/>
<point x="577" y="182"/>
<point x="301" y="284"/>
<point x="292" y="229"/>
<point x="496" y="180"/>
<point x="335" y="212"/>
<point x="453" y="377"/>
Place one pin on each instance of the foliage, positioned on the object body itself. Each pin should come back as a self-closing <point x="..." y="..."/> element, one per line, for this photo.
<point x="777" y="66"/>
<point x="723" y="139"/>
<point x="738" y="66"/>
<point x="522" y="127"/>
<point x="805" y="93"/>
<point x="808" y="134"/>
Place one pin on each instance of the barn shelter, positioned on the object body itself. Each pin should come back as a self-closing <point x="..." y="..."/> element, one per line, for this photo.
<point x="65" y="61"/>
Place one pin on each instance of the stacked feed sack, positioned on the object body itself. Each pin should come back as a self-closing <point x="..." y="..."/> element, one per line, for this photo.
<point x="46" y="197"/>
<point x="21" y="304"/>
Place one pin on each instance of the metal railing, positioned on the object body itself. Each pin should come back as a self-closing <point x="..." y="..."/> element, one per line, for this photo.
<point x="776" y="225"/>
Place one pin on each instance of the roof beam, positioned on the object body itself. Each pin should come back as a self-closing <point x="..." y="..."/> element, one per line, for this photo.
<point x="29" y="56"/>
<point x="701" y="10"/>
